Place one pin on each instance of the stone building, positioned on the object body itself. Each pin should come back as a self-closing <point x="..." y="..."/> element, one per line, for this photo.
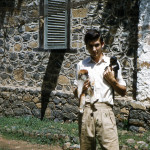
<point x="37" y="68"/>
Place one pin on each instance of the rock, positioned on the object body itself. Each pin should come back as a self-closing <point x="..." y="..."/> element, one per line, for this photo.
<point x="142" y="145"/>
<point x="48" y="113"/>
<point x="30" y="29"/>
<point x="36" y="113"/>
<point x="130" y="141"/>
<point x="26" y="37"/>
<point x="125" y="111"/>
<point x="136" y="122"/>
<point x="36" y="76"/>
<point x="57" y="100"/>
<point x="27" y="97"/>
<point x="17" y="47"/>
<point x="41" y="68"/>
<point x="9" y="69"/>
<point x="38" y="105"/>
<point x="33" y="44"/>
<point x="66" y="146"/>
<point x="75" y="140"/>
<point x="29" y="68"/>
<point x="1" y="42"/>
<point x="4" y="76"/>
<point x="134" y="128"/>
<point x="30" y="105"/>
<point x="9" y="112"/>
<point x="18" y="111"/>
<point x="36" y="100"/>
<point x="141" y="142"/>
<point x="141" y="129"/>
<point x="81" y="12"/>
<point x="21" y="56"/>
<point x="75" y="147"/>
<point x="137" y="105"/>
<point x="5" y="96"/>
<point x="63" y="80"/>
<point x="19" y="74"/>
<point x="17" y="38"/>
<point x="27" y="111"/>
<point x="2" y="68"/>
<point x="13" y="56"/>
<point x="1" y="51"/>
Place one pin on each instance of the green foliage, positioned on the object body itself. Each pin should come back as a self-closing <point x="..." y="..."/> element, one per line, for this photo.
<point x="35" y="130"/>
<point x="30" y="124"/>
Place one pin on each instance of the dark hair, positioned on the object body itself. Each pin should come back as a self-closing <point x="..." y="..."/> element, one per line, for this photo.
<point x="92" y="34"/>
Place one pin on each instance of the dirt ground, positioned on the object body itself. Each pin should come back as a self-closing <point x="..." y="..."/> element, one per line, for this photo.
<point x="6" y="144"/>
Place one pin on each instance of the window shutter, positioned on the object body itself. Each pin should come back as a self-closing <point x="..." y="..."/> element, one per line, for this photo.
<point x="55" y="31"/>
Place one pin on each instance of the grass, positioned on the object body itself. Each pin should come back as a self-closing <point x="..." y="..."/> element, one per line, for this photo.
<point x="137" y="137"/>
<point x="48" y="132"/>
<point x="30" y="124"/>
<point x="37" y="131"/>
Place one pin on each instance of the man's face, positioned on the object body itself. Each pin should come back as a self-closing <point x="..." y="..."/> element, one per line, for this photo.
<point x="94" y="47"/>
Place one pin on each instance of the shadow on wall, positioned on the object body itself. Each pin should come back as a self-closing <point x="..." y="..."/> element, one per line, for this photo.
<point x="8" y="6"/>
<point x="50" y="79"/>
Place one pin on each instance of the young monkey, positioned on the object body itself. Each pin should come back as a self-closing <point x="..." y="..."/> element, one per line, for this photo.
<point x="82" y="77"/>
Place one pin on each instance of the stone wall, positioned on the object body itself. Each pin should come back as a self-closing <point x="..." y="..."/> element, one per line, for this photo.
<point x="62" y="107"/>
<point x="41" y="83"/>
<point x="132" y="115"/>
<point x="143" y="75"/>
<point x="26" y="102"/>
<point x="22" y="66"/>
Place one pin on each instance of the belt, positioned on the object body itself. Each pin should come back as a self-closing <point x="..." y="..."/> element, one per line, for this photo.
<point x="99" y="104"/>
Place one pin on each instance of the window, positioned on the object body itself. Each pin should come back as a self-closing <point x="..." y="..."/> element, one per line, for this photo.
<point x="56" y="24"/>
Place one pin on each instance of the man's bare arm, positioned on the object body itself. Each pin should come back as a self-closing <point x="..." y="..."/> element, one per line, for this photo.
<point x="109" y="77"/>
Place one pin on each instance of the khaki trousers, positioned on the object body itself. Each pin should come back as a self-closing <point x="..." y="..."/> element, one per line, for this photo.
<point x="98" y="123"/>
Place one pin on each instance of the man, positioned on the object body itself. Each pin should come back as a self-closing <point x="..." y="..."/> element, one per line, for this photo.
<point x="99" y="122"/>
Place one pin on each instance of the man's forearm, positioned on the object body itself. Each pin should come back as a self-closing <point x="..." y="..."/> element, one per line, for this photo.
<point x="120" y="89"/>
<point x="109" y="77"/>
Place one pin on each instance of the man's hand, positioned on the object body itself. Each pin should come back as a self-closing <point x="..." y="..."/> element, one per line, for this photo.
<point x="85" y="86"/>
<point x="109" y="75"/>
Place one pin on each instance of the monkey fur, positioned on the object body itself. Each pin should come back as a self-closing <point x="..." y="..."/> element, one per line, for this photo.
<point x="114" y="65"/>
<point x="82" y="77"/>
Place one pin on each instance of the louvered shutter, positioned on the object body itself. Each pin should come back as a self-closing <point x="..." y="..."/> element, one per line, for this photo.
<point x="55" y="31"/>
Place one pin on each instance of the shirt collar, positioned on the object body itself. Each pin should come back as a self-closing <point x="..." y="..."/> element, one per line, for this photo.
<point x="104" y="59"/>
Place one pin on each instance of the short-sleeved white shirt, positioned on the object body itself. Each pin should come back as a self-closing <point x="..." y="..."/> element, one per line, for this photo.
<point x="102" y="89"/>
